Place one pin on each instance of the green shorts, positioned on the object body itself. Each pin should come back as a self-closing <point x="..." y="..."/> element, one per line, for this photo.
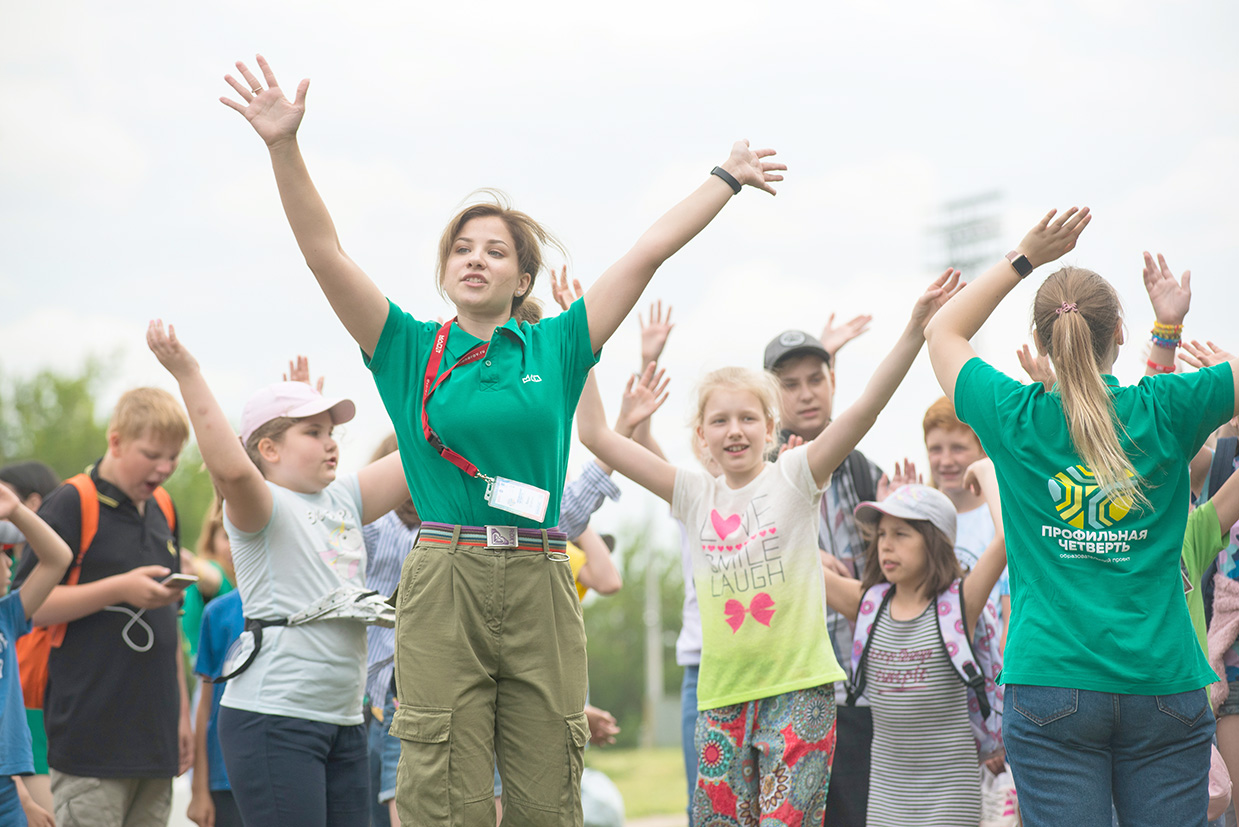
<point x="38" y="738"/>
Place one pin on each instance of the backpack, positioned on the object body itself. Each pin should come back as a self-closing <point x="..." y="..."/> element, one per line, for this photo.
<point x="975" y="660"/>
<point x="1220" y="469"/>
<point x="34" y="649"/>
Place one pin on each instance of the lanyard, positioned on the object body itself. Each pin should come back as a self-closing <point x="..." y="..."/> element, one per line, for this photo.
<point x="431" y="384"/>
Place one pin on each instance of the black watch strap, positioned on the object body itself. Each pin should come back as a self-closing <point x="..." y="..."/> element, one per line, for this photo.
<point x="1020" y="262"/>
<point x="728" y="178"/>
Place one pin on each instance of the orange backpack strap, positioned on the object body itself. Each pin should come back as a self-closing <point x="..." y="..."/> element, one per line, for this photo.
<point x="89" y="495"/>
<point x="165" y="505"/>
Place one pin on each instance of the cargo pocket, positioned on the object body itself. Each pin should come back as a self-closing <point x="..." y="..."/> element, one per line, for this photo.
<point x="578" y="737"/>
<point x="423" y="776"/>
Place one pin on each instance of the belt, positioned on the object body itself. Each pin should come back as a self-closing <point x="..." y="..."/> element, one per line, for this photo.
<point x="499" y="538"/>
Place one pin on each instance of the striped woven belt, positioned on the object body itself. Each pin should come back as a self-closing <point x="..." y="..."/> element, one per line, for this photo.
<point x="499" y="538"/>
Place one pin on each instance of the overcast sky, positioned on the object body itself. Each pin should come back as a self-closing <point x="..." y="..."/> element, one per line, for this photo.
<point x="128" y="192"/>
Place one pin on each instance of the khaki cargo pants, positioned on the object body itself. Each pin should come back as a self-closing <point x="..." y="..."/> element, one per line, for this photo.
<point x="490" y="663"/>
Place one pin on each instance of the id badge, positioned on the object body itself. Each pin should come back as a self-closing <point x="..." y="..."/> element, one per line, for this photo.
<point x="528" y="501"/>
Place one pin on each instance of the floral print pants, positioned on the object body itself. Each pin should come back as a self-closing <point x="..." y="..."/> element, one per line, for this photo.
<point x="766" y="763"/>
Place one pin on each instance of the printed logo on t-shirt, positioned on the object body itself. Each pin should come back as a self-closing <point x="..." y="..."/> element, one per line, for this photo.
<point x="346" y="548"/>
<point x="1091" y="516"/>
<point x="745" y="555"/>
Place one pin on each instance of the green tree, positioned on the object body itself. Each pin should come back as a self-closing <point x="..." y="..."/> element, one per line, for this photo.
<point x="615" y="625"/>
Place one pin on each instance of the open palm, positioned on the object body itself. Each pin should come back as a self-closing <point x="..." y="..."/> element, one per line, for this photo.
<point x="274" y="117"/>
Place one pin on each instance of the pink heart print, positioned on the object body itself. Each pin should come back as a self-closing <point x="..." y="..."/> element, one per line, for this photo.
<point x="724" y="526"/>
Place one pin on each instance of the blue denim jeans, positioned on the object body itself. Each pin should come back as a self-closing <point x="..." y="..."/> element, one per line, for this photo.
<point x="688" y="728"/>
<point x="1072" y="751"/>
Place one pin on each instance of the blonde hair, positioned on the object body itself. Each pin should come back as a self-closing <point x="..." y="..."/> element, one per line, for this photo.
<point x="212" y="524"/>
<point x="1075" y="315"/>
<point x="528" y="236"/>
<point x="273" y="430"/>
<point x="149" y="411"/>
<point x="759" y="383"/>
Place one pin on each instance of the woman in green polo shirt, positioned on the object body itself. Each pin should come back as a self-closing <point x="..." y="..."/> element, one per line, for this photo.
<point x="1104" y="677"/>
<point x="490" y="649"/>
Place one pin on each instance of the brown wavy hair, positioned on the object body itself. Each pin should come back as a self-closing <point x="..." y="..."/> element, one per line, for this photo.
<point x="941" y="565"/>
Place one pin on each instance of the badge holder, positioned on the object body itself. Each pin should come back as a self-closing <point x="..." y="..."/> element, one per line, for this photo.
<point x="518" y="498"/>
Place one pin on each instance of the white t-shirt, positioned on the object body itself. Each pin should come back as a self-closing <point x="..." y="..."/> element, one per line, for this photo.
<point x="973" y="532"/>
<point x="688" y="644"/>
<point x="758" y="582"/>
<point x="311" y="545"/>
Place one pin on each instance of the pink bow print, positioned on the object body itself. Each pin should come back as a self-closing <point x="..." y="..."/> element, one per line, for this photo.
<point x="761" y="608"/>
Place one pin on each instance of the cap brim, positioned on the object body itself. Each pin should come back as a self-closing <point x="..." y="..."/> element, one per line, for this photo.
<point x="800" y="350"/>
<point x="341" y="410"/>
<point x="871" y="513"/>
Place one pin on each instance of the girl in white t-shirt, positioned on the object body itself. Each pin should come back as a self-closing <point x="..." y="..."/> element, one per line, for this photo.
<point x="291" y="723"/>
<point x="766" y="737"/>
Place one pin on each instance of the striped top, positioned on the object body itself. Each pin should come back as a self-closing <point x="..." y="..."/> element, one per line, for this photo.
<point x="924" y="765"/>
<point x="388" y="542"/>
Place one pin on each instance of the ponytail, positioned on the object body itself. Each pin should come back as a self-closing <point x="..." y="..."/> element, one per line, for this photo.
<point x="1075" y="315"/>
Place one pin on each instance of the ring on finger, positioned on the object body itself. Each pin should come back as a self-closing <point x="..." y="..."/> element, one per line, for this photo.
<point x="257" y="90"/>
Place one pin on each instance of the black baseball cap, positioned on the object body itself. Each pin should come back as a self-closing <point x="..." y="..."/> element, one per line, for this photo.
<point x="793" y="343"/>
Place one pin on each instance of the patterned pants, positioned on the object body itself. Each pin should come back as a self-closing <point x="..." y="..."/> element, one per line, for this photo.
<point x="766" y="763"/>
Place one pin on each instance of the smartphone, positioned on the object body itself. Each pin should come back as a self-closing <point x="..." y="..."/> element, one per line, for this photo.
<point x="179" y="581"/>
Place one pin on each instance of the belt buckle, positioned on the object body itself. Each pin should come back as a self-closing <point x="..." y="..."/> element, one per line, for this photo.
<point x="501" y="536"/>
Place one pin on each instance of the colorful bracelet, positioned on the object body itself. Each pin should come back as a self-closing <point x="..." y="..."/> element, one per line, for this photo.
<point x="1160" y="341"/>
<point x="1154" y="366"/>
<point x="1168" y="331"/>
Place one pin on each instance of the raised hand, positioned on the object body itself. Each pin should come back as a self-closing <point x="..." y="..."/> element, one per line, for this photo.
<point x="1054" y="237"/>
<point x="643" y="395"/>
<point x="565" y="296"/>
<point x="980" y="475"/>
<point x="1038" y="368"/>
<point x="8" y="502"/>
<point x="1203" y="356"/>
<point x="654" y="335"/>
<point x="793" y="441"/>
<point x="937" y="294"/>
<point x="299" y="371"/>
<point x="272" y="115"/>
<point x="1170" y="298"/>
<point x="748" y="167"/>
<point x="169" y="350"/>
<point x="905" y="475"/>
<point x="833" y="338"/>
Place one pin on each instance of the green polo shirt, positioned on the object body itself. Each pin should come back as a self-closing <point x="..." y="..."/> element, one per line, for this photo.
<point x="1096" y="590"/>
<point x="510" y="414"/>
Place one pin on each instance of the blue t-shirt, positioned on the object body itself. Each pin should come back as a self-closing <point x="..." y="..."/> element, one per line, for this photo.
<point x="222" y="623"/>
<point x="16" y="757"/>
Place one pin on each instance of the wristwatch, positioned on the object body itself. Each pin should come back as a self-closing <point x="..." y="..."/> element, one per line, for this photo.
<point x="1020" y="262"/>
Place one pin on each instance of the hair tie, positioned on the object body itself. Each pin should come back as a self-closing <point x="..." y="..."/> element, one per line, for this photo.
<point x="1066" y="307"/>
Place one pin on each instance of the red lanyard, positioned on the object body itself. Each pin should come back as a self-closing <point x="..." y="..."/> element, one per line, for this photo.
<point x="433" y="381"/>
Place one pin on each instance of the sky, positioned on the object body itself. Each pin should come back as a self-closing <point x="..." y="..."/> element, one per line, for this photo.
<point x="128" y="192"/>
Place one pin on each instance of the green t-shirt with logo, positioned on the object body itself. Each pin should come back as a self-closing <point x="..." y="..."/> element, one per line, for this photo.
<point x="1096" y="589"/>
<point x="510" y="414"/>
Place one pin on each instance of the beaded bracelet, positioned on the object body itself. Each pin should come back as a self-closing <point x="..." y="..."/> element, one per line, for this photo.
<point x="1170" y="344"/>
<point x="1154" y="366"/>
<point x="1167" y="331"/>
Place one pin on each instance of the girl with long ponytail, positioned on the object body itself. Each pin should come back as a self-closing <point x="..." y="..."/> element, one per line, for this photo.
<point x="1104" y="683"/>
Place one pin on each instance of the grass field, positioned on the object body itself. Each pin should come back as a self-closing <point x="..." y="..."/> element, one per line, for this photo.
<point x="651" y="780"/>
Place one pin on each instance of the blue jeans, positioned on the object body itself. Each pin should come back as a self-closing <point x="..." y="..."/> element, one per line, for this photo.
<point x="384" y="755"/>
<point x="688" y="727"/>
<point x="1073" y="750"/>
<point x="290" y="772"/>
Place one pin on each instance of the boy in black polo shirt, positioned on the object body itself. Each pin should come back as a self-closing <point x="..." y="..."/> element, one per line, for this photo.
<point x="116" y="710"/>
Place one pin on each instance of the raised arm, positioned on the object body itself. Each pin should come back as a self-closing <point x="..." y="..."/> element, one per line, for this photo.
<point x="981" y="478"/>
<point x="615" y="293"/>
<point x="358" y="303"/>
<point x="1208" y="354"/>
<point x="843" y="594"/>
<point x="53" y="553"/>
<point x="247" y="500"/>
<point x="948" y="335"/>
<point x="1171" y="300"/>
<point x="630" y="459"/>
<point x="832" y="445"/>
<point x="383" y="487"/>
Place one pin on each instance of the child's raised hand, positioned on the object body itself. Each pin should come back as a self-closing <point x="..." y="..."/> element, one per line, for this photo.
<point x="643" y="395"/>
<point x="1054" y="237"/>
<point x="299" y="371"/>
<point x="654" y="334"/>
<point x="1203" y="356"/>
<point x="979" y="476"/>
<point x="833" y="338"/>
<point x="565" y="296"/>
<point x="1170" y="298"/>
<point x="9" y="501"/>
<point x="169" y="350"/>
<point x="905" y="475"/>
<point x="937" y="294"/>
<point x="272" y="115"/>
<point x="748" y="167"/>
<point x="1038" y="368"/>
<point x="793" y="441"/>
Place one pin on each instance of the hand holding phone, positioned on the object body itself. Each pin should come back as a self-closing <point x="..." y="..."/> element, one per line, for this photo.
<point x="177" y="580"/>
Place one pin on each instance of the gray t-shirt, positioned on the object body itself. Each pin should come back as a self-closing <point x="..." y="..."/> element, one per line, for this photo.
<point x="311" y="546"/>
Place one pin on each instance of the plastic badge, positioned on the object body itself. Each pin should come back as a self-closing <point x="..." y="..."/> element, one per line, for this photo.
<point x="527" y="501"/>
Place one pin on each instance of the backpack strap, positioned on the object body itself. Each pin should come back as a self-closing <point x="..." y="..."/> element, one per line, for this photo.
<point x="957" y="641"/>
<point x="88" y="494"/>
<point x="872" y="602"/>
<point x="862" y="477"/>
<point x="165" y="505"/>
<point x="1223" y="464"/>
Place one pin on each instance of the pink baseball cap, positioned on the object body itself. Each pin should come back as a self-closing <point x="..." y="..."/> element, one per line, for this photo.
<point x="292" y="399"/>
